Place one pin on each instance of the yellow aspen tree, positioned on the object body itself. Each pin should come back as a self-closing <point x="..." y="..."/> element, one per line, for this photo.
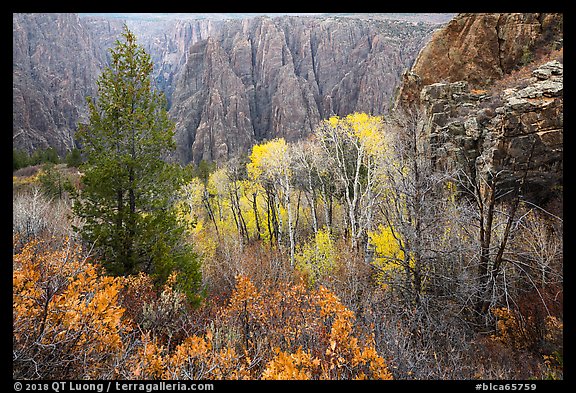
<point x="270" y="163"/>
<point x="354" y="145"/>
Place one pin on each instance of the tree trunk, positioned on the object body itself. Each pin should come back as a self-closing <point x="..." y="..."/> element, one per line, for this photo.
<point x="131" y="226"/>
<point x="288" y="201"/>
<point x="256" y="218"/>
<point x="206" y="201"/>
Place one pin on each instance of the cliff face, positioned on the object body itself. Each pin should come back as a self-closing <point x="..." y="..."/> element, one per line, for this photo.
<point x="481" y="49"/>
<point x="229" y="83"/>
<point x="168" y="43"/>
<point x="509" y="132"/>
<point x="516" y="135"/>
<point x="56" y="64"/>
<point x="264" y="78"/>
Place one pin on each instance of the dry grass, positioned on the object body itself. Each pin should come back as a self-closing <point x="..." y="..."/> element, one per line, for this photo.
<point x="513" y="78"/>
<point x="27" y="171"/>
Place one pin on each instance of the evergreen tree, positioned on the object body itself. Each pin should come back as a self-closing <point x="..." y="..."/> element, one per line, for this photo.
<point x="53" y="183"/>
<point x="45" y="155"/>
<point x="74" y="158"/>
<point x="129" y="189"/>
<point x="20" y="159"/>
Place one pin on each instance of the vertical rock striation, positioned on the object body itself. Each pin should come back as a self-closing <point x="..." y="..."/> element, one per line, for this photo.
<point x="55" y="65"/>
<point x="229" y="83"/>
<point x="262" y="78"/>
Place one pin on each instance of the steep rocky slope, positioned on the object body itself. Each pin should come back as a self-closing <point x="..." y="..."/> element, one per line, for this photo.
<point x="481" y="48"/>
<point x="263" y="78"/>
<point x="168" y="42"/>
<point x="55" y="65"/>
<point x="229" y="83"/>
<point x="486" y="111"/>
<point x="515" y="135"/>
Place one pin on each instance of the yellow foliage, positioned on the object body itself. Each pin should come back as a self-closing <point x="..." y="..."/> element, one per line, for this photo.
<point x="268" y="159"/>
<point x="389" y="253"/>
<point x="333" y="121"/>
<point x="205" y="240"/>
<point x="317" y="257"/>
<point x="365" y="128"/>
<point x="452" y="190"/>
<point x="18" y="181"/>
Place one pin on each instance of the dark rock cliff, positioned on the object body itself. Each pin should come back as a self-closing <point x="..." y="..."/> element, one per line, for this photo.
<point x="55" y="65"/>
<point x="515" y="135"/>
<point x="507" y="131"/>
<point x="263" y="78"/>
<point x="229" y="83"/>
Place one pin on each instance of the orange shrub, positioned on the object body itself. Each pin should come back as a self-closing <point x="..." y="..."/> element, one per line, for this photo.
<point x="67" y="321"/>
<point x="309" y="331"/>
<point x="70" y="323"/>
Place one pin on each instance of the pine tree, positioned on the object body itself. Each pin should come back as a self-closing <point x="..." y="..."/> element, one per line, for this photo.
<point x="129" y="189"/>
<point x="74" y="158"/>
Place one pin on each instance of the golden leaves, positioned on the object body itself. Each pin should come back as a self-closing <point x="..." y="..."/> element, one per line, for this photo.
<point x="366" y="129"/>
<point x="63" y="306"/>
<point x="389" y="252"/>
<point x="281" y="331"/>
<point x="148" y="362"/>
<point x="514" y="331"/>
<point x="268" y="159"/>
<point x="317" y="258"/>
<point x="198" y="358"/>
<point x="509" y="330"/>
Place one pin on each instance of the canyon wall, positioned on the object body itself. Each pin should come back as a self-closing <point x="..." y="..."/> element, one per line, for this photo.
<point x="229" y="83"/>
<point x="491" y="89"/>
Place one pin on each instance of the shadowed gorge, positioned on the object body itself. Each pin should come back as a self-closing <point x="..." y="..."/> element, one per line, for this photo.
<point x="229" y="83"/>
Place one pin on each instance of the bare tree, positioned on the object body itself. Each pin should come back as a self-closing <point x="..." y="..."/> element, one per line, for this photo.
<point x="351" y="147"/>
<point x="413" y="205"/>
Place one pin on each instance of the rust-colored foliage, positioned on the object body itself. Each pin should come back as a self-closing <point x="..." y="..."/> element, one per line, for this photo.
<point x="309" y="331"/>
<point x="517" y="333"/>
<point x="70" y="321"/>
<point x="509" y="329"/>
<point x="147" y="362"/>
<point x="67" y="321"/>
<point x="284" y="333"/>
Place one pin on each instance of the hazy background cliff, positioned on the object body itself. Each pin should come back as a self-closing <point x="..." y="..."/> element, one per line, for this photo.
<point x="230" y="80"/>
<point x="55" y="65"/>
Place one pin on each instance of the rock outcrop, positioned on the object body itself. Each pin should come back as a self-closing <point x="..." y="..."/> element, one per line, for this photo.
<point x="510" y="136"/>
<point x="510" y="132"/>
<point x="481" y="48"/>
